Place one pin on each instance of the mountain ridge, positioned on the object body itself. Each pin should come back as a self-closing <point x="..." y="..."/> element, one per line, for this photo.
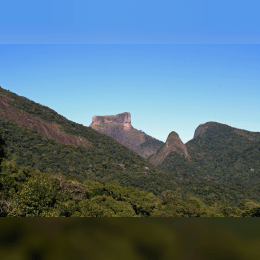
<point x="119" y="127"/>
<point x="50" y="130"/>
<point x="109" y="160"/>
<point x="218" y="152"/>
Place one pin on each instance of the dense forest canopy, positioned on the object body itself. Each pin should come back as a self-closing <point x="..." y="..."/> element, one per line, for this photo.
<point x="220" y="154"/>
<point x="41" y="177"/>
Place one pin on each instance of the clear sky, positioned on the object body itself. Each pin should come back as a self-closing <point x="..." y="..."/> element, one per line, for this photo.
<point x="135" y="21"/>
<point x="165" y="87"/>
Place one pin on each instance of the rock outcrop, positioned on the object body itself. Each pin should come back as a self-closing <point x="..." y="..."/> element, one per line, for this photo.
<point x="45" y="128"/>
<point x="173" y="144"/>
<point x="119" y="127"/>
<point x="123" y="119"/>
<point x="200" y="130"/>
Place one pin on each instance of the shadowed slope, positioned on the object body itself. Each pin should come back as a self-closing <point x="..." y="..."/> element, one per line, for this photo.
<point x="119" y="127"/>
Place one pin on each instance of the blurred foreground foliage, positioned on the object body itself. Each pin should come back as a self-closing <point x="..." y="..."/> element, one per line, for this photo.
<point x="138" y="239"/>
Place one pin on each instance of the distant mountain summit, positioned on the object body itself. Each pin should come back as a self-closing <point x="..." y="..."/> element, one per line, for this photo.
<point x="123" y="119"/>
<point x="217" y="153"/>
<point x="37" y="136"/>
<point x="200" y="130"/>
<point x="173" y="144"/>
<point x="119" y="127"/>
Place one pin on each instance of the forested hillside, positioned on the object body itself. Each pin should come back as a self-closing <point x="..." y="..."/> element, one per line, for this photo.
<point x="26" y="192"/>
<point x="219" y="154"/>
<point x="106" y="162"/>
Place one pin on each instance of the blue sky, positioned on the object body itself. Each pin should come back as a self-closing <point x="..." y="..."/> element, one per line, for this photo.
<point x="165" y="87"/>
<point x="173" y="65"/>
<point x="114" y="21"/>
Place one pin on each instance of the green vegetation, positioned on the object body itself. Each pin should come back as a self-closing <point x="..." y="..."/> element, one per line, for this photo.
<point x="136" y="140"/>
<point x="151" y="142"/>
<point x="221" y="154"/>
<point x="28" y="148"/>
<point x="44" y="178"/>
<point x="26" y="192"/>
<point x="140" y="239"/>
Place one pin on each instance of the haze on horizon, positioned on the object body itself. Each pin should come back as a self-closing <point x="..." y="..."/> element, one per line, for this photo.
<point x="164" y="87"/>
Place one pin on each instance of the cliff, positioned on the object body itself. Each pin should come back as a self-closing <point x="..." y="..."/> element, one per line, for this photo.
<point x="48" y="129"/>
<point x="123" y="119"/>
<point x="108" y="160"/>
<point x="173" y="144"/>
<point x="119" y="127"/>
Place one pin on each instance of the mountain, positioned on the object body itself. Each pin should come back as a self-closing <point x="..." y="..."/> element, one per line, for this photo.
<point x="39" y="138"/>
<point x="217" y="152"/>
<point x="119" y="127"/>
<point x="173" y="145"/>
<point x="51" y="130"/>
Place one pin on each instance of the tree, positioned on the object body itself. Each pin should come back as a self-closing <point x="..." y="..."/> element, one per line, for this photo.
<point x="36" y="196"/>
<point x="93" y="208"/>
<point x="3" y="154"/>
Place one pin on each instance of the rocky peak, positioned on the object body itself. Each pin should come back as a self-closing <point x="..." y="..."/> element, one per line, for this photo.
<point x="119" y="127"/>
<point x="123" y="119"/>
<point x="173" y="144"/>
<point x="200" y="130"/>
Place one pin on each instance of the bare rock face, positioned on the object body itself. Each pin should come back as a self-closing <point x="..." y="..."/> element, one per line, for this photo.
<point x="119" y="127"/>
<point x="45" y="128"/>
<point x="123" y="119"/>
<point x="200" y="130"/>
<point x="173" y="144"/>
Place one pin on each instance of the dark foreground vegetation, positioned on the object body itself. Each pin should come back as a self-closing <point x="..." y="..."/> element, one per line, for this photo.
<point x="26" y="192"/>
<point x="129" y="238"/>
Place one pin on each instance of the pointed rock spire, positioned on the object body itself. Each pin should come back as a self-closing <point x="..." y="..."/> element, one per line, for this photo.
<point x="173" y="144"/>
